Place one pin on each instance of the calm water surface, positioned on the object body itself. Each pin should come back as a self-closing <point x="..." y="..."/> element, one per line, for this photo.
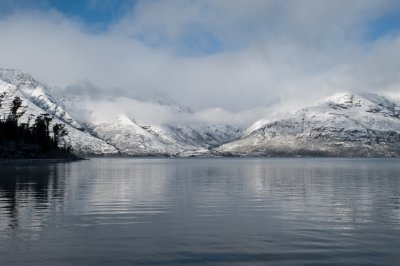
<point x="201" y="212"/>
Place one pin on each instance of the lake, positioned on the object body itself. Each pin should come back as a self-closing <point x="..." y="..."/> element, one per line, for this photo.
<point x="272" y="211"/>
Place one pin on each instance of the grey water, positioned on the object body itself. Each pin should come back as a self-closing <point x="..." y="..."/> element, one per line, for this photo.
<point x="275" y="211"/>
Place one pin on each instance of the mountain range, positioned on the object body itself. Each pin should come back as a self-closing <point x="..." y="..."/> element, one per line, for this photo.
<point x="96" y="127"/>
<point x="344" y="124"/>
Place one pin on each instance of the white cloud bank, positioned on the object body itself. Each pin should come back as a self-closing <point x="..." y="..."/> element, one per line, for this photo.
<point x="296" y="52"/>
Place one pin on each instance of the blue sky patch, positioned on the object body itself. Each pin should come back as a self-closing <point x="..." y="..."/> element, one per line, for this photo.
<point x="99" y="15"/>
<point x="384" y="25"/>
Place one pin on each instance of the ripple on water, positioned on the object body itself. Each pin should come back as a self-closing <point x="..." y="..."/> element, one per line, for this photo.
<point x="201" y="212"/>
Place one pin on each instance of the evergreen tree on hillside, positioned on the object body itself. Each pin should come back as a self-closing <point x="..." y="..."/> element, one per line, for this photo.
<point x="36" y="139"/>
<point x="16" y="104"/>
<point x="59" y="131"/>
<point x="1" y="99"/>
<point x="12" y="131"/>
<point x="41" y="131"/>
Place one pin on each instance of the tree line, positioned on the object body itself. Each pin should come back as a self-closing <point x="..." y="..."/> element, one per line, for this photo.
<point x="35" y="136"/>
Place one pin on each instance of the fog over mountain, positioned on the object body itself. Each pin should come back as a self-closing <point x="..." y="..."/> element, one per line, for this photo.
<point x="225" y="59"/>
<point x="100" y="123"/>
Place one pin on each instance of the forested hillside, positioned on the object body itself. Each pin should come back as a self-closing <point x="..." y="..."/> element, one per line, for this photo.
<point x="34" y="139"/>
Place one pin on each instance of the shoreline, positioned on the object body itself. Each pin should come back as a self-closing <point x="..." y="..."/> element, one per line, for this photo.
<point x="41" y="161"/>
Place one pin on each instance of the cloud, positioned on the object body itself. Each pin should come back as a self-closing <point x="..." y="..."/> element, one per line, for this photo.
<point x="209" y="54"/>
<point x="151" y="113"/>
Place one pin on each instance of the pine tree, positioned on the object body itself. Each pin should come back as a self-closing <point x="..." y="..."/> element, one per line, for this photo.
<point x="19" y="140"/>
<point x="59" y="131"/>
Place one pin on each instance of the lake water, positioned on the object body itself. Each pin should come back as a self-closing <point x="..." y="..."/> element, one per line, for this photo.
<point x="276" y="211"/>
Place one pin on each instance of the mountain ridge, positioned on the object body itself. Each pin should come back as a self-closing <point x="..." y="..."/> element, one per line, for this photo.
<point x="119" y="134"/>
<point x="344" y="124"/>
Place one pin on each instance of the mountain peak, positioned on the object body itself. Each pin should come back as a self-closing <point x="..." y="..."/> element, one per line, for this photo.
<point x="164" y="99"/>
<point x="18" y="78"/>
<point x="343" y="100"/>
<point x="344" y="124"/>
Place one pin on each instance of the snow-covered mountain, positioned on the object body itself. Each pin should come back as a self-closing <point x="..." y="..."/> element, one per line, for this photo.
<point x="97" y="125"/>
<point x="342" y="125"/>
<point x="37" y="101"/>
<point x="102" y="123"/>
<point x="119" y="121"/>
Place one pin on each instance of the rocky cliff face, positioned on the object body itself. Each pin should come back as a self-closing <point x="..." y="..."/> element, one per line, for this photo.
<point x="342" y="125"/>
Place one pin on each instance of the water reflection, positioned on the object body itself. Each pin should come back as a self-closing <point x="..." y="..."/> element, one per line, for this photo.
<point x="29" y="194"/>
<point x="227" y="211"/>
<point x="344" y="192"/>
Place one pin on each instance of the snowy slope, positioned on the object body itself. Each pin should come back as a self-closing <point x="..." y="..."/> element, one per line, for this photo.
<point x="203" y="136"/>
<point x="36" y="93"/>
<point x="342" y="125"/>
<point x="100" y="113"/>
<point x="105" y="129"/>
<point x="131" y="139"/>
<point x="35" y="101"/>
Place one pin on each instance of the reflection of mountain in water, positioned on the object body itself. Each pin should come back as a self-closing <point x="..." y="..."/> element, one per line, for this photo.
<point x="190" y="211"/>
<point x="29" y="194"/>
<point x="342" y="192"/>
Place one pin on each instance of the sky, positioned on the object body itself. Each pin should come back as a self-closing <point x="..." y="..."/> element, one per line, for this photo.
<point x="232" y="54"/>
